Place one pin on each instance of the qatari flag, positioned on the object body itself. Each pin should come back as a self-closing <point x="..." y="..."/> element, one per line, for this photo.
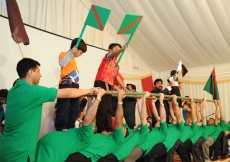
<point x="17" y="28"/>
<point x="182" y="68"/>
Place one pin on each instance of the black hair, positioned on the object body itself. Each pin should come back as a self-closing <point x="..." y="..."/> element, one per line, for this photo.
<point x="3" y="93"/>
<point x="149" y="117"/>
<point x="173" y="72"/>
<point x="112" y="45"/>
<point x="132" y="85"/>
<point x="24" y="65"/>
<point x="212" y="119"/>
<point x="150" y="126"/>
<point x="82" y="46"/>
<point x="158" y="80"/>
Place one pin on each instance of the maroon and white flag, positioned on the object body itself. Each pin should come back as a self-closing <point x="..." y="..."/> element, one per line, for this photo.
<point x="17" y="28"/>
<point x="182" y="68"/>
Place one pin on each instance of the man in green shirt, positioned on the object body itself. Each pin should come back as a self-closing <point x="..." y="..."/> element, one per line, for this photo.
<point x="23" y="112"/>
<point x="155" y="136"/>
<point x="57" y="146"/>
<point x="212" y="132"/>
<point x="190" y="129"/>
<point x="218" y="132"/>
<point x="134" y="138"/>
<point x="102" y="145"/>
<point x="175" y="129"/>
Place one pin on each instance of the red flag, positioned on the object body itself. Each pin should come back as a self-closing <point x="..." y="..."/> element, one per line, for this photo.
<point x="17" y="28"/>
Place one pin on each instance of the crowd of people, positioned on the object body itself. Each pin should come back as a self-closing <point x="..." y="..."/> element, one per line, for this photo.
<point x="94" y="126"/>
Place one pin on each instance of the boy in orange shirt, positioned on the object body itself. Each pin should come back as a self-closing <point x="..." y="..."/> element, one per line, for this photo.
<point x="68" y="108"/>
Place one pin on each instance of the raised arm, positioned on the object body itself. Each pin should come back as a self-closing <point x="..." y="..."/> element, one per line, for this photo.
<point x="90" y="101"/>
<point x="92" y="110"/>
<point x="216" y="112"/>
<point x="143" y="109"/>
<point x="194" y="118"/>
<point x="172" y="113"/>
<point x="155" y="113"/>
<point x="177" y="110"/>
<point x="119" y="112"/>
<point x="221" y="110"/>
<point x="203" y="112"/>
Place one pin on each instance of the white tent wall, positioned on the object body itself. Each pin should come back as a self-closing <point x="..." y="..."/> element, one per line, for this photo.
<point x="194" y="81"/>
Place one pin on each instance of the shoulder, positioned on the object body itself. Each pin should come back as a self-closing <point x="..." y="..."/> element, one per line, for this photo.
<point x="62" y="54"/>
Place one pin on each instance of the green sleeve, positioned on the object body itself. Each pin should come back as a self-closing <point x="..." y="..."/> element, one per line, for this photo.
<point x="223" y="124"/>
<point x="194" y="126"/>
<point x="43" y="94"/>
<point x="163" y="128"/>
<point x="180" y="126"/>
<point x="118" y="135"/>
<point x="86" y="132"/>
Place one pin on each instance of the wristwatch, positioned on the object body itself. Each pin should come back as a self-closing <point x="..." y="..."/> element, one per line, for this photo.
<point x="162" y="105"/>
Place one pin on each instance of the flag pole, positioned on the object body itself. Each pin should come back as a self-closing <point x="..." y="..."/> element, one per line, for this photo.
<point x="20" y="50"/>
<point x="80" y="37"/>
<point x="152" y="96"/>
<point x="123" y="51"/>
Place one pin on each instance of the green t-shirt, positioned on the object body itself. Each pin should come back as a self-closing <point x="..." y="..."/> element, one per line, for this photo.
<point x="103" y="145"/>
<point x="57" y="146"/>
<point x="200" y="132"/>
<point x="129" y="143"/>
<point x="219" y="128"/>
<point x="226" y="127"/>
<point x="22" y="121"/>
<point x="188" y="132"/>
<point x="157" y="135"/>
<point x="174" y="133"/>
<point x="209" y="131"/>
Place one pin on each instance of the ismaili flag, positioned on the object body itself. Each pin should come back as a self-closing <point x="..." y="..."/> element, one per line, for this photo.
<point x="211" y="85"/>
<point x="182" y="68"/>
<point x="17" y="28"/>
<point x="129" y="25"/>
<point x="96" y="18"/>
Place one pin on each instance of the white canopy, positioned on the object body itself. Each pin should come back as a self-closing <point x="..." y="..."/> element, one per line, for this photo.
<point x="194" y="31"/>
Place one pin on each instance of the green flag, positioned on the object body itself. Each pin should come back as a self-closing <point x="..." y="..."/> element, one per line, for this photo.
<point x="129" y="26"/>
<point x="96" y="18"/>
<point x="211" y="86"/>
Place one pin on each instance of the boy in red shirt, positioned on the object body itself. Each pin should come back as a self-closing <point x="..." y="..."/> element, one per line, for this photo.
<point x="105" y="79"/>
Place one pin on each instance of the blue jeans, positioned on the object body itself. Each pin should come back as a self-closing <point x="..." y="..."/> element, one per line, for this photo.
<point x="67" y="110"/>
